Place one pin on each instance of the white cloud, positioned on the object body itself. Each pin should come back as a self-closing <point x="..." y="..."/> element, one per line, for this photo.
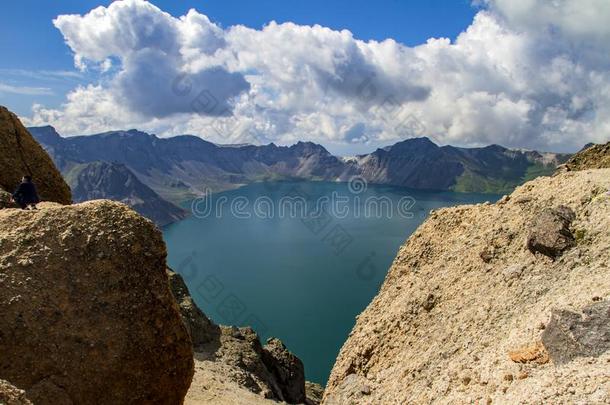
<point x="526" y="73"/>
<point x="24" y="90"/>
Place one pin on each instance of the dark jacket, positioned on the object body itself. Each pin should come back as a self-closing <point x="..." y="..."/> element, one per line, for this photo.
<point x="26" y="194"/>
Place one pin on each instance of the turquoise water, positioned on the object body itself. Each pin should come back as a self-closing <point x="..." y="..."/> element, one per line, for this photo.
<point x="302" y="277"/>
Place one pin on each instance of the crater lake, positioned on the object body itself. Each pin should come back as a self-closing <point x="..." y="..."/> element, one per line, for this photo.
<point x="298" y="260"/>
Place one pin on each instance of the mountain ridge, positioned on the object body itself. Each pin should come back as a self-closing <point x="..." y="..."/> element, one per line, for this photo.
<point x="114" y="181"/>
<point x="182" y="167"/>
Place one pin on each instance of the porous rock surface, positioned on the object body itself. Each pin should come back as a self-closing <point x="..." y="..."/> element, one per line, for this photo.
<point x="87" y="313"/>
<point x="468" y="314"/>
<point x="550" y="232"/>
<point x="578" y="334"/>
<point x="21" y="155"/>
<point x="11" y="395"/>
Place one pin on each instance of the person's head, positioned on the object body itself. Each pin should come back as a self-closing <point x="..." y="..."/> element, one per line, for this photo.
<point x="27" y="179"/>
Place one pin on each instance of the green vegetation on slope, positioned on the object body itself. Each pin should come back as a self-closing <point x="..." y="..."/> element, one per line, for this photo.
<point x="470" y="182"/>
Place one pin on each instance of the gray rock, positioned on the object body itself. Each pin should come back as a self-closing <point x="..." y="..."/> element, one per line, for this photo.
<point x="287" y="369"/>
<point x="550" y="233"/>
<point x="569" y="334"/>
<point x="352" y="390"/>
<point x="201" y="329"/>
<point x="115" y="181"/>
<point x="271" y="371"/>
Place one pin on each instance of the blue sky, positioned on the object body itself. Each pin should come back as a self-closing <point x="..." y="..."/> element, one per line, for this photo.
<point x="520" y="73"/>
<point x="39" y="59"/>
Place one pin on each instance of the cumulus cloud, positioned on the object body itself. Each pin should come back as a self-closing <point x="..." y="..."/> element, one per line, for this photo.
<point x="153" y="49"/>
<point x="525" y="73"/>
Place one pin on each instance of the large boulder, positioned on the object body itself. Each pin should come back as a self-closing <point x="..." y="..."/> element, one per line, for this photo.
<point x="452" y="326"/>
<point x="572" y="334"/>
<point x="87" y="314"/>
<point x="550" y="232"/>
<point x="20" y="154"/>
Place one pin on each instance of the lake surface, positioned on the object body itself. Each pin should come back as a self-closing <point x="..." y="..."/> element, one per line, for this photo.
<point x="255" y="256"/>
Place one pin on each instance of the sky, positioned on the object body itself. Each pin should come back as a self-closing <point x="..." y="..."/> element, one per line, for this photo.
<point x="351" y="75"/>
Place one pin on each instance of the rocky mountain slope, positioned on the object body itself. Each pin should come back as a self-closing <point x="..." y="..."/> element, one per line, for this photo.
<point x="419" y="163"/>
<point x="591" y="157"/>
<point x="114" y="181"/>
<point x="233" y="367"/>
<point x="493" y="303"/>
<point x="181" y="167"/>
<point x="21" y="155"/>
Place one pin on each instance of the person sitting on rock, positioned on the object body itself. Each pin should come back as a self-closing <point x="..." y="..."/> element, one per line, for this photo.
<point x="26" y="194"/>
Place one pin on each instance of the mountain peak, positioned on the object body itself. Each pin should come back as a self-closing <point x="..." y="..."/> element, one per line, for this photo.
<point x="413" y="145"/>
<point x="130" y="133"/>
<point x="46" y="134"/>
<point x="309" y="147"/>
<point x="496" y="147"/>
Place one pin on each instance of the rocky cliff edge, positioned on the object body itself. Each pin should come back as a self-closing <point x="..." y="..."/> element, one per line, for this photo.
<point x="493" y="303"/>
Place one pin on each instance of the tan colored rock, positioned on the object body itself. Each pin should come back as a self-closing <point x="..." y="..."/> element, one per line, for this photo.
<point x="87" y="314"/>
<point x="11" y="395"/>
<point x="211" y="386"/>
<point x="314" y="393"/>
<point x="401" y="353"/>
<point x="534" y="353"/>
<point x="20" y="154"/>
